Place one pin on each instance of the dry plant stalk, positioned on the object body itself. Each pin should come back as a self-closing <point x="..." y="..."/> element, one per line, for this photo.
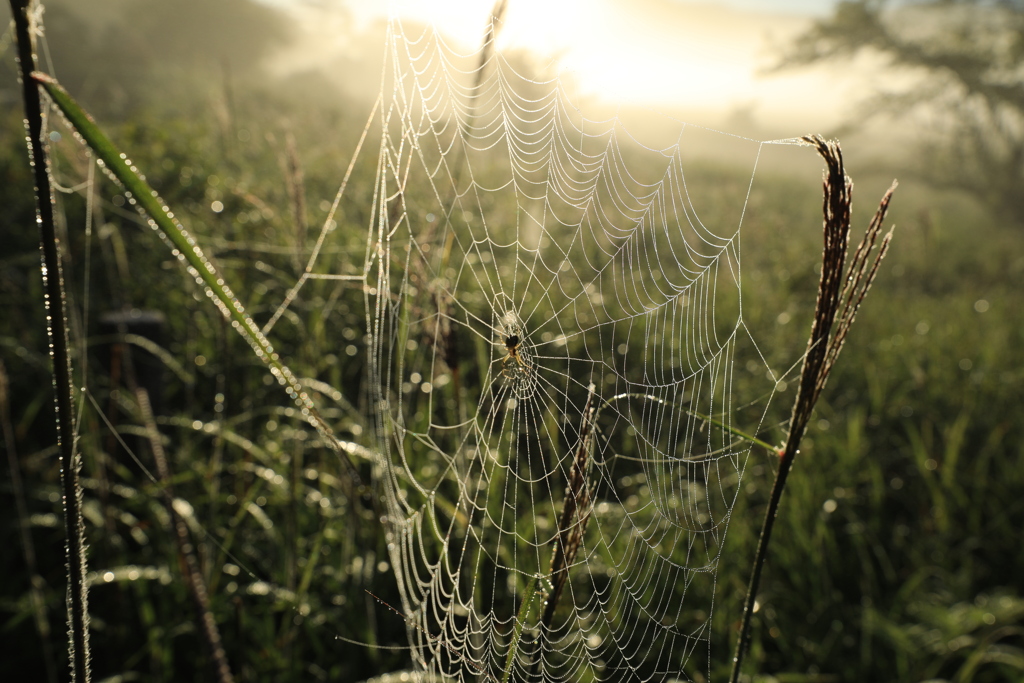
<point x="840" y="293"/>
<point x="186" y="550"/>
<point x="572" y="523"/>
<point x="576" y="510"/>
<point x="444" y="333"/>
<point x="295" y="183"/>
<point x="494" y="24"/>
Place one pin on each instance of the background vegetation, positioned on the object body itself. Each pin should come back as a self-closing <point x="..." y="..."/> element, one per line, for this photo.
<point x="898" y="554"/>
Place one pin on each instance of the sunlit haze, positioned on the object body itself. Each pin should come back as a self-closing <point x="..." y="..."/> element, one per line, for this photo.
<point x="708" y="62"/>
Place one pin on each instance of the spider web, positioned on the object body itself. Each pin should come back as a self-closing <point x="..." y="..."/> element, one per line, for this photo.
<point x="553" y="334"/>
<point x="554" y="319"/>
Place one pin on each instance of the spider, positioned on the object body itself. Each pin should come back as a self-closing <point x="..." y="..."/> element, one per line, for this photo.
<point x="512" y="342"/>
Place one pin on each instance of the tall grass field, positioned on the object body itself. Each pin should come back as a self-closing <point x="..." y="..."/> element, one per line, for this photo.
<point x="897" y="553"/>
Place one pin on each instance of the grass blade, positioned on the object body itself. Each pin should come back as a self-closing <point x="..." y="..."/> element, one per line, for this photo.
<point x="187" y="250"/>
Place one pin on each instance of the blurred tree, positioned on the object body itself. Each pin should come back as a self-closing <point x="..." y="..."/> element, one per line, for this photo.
<point x="966" y="59"/>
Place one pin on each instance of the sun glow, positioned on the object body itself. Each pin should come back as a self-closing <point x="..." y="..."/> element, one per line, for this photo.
<point x="648" y="51"/>
<point x="663" y="54"/>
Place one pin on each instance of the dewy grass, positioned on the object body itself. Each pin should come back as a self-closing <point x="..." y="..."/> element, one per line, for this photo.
<point x="25" y="15"/>
<point x="205" y="273"/>
<point x="186" y="549"/>
<point x="27" y="545"/>
<point x="186" y="249"/>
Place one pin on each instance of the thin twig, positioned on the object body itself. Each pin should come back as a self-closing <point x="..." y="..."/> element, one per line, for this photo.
<point x="25" y="13"/>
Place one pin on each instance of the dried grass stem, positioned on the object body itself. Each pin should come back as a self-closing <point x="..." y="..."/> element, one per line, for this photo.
<point x="839" y="299"/>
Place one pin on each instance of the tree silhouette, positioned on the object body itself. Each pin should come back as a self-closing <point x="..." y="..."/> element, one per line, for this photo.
<point x="968" y="59"/>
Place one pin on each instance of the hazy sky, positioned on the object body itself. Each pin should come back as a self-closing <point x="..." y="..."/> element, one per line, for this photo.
<point x="808" y="7"/>
<point x="707" y="60"/>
